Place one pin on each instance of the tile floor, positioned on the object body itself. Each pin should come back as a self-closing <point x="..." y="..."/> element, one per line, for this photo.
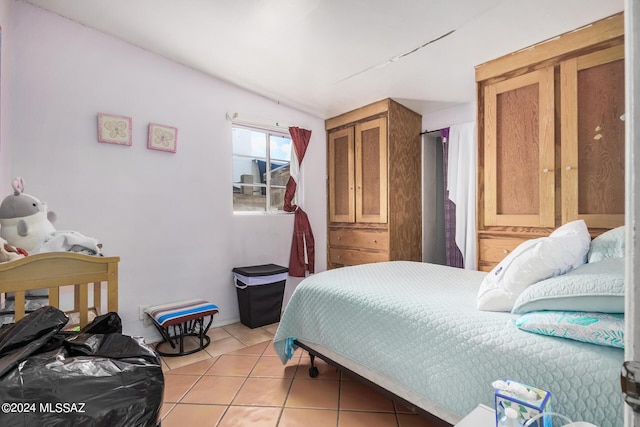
<point x="238" y="380"/>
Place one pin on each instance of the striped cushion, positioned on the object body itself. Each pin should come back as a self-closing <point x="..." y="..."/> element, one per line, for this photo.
<point x="179" y="312"/>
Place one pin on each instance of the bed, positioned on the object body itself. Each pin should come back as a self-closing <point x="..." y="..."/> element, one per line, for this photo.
<point x="64" y="276"/>
<point x="413" y="330"/>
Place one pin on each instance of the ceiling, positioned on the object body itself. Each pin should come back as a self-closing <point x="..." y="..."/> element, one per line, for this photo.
<point x="326" y="57"/>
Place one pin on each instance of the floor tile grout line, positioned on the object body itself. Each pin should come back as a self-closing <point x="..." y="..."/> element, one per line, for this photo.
<point x="339" y="395"/>
<point x="222" y="415"/>
<point x="290" y="387"/>
<point x="245" y="381"/>
<point x="185" y="393"/>
<point x="282" y="407"/>
<point x="175" y="404"/>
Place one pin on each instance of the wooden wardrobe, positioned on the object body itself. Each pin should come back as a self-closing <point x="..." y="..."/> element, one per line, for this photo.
<point x="551" y="144"/>
<point x="374" y="185"/>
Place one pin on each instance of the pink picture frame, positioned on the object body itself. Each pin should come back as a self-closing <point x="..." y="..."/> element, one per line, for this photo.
<point x="162" y="137"/>
<point x="114" y="129"/>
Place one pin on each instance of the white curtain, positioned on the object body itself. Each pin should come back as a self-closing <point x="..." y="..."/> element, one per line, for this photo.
<point x="461" y="183"/>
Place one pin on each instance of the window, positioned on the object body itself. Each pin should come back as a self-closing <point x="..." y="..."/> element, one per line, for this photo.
<point x="261" y="167"/>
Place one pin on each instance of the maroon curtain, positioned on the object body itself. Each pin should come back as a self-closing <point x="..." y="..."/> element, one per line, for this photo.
<point x="302" y="234"/>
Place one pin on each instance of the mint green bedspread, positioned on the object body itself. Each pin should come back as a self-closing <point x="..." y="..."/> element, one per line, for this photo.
<point x="417" y="324"/>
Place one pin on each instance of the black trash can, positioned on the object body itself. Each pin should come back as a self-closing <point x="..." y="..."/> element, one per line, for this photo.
<point x="260" y="292"/>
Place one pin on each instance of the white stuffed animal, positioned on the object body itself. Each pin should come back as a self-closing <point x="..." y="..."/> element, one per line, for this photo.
<point x="24" y="221"/>
<point x="8" y="252"/>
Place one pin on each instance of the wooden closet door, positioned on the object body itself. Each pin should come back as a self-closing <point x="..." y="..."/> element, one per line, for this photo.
<point x="592" y="93"/>
<point x="341" y="176"/>
<point x="371" y="171"/>
<point x="519" y="151"/>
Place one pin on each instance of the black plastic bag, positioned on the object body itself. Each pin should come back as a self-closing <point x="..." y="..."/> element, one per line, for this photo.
<point x="96" y="380"/>
<point x="109" y="323"/>
<point x="41" y="322"/>
<point x="82" y="391"/>
<point x="20" y="340"/>
<point x="115" y="346"/>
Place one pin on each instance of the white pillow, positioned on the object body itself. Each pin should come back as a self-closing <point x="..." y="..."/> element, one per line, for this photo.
<point x="534" y="260"/>
<point x="594" y="286"/>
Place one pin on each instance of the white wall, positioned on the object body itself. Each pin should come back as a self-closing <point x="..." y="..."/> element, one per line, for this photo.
<point x="5" y="123"/>
<point x="436" y="120"/>
<point x="168" y="216"/>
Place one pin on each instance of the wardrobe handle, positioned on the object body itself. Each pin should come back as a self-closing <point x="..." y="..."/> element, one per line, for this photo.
<point x="568" y="168"/>
<point x="545" y="170"/>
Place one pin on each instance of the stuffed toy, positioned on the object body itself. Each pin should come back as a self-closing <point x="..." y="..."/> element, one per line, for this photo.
<point x="24" y="221"/>
<point x="9" y="253"/>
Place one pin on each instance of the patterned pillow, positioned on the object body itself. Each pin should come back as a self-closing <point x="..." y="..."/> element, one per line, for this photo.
<point x="591" y="327"/>
<point x="608" y="245"/>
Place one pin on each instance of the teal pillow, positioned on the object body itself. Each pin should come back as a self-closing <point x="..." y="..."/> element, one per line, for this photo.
<point x="597" y="286"/>
<point x="609" y="244"/>
<point x="595" y="328"/>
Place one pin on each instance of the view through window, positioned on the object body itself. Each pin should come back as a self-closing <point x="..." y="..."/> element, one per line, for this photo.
<point x="261" y="168"/>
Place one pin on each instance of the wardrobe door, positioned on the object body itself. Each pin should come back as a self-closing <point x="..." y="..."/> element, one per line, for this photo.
<point x="341" y="176"/>
<point x="519" y="151"/>
<point x="371" y="171"/>
<point x="592" y="132"/>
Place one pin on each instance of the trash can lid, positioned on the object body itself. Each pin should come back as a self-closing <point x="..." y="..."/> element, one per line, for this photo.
<point x="260" y="270"/>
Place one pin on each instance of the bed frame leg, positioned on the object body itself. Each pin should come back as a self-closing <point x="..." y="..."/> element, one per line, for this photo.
<point x="313" y="370"/>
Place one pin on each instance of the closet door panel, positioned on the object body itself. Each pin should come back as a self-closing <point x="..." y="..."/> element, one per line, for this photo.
<point x="371" y="171"/>
<point x="519" y="151"/>
<point x="593" y="138"/>
<point x="341" y="176"/>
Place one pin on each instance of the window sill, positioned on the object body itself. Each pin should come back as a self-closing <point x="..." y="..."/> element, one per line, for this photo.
<point x="262" y="213"/>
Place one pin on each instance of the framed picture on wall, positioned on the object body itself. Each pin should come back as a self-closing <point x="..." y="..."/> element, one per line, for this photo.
<point x="114" y="129"/>
<point x="163" y="138"/>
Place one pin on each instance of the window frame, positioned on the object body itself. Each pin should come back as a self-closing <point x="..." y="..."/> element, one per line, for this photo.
<point x="269" y="132"/>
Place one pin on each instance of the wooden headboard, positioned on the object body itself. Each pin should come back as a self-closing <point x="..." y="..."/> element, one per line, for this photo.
<point x="54" y="270"/>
